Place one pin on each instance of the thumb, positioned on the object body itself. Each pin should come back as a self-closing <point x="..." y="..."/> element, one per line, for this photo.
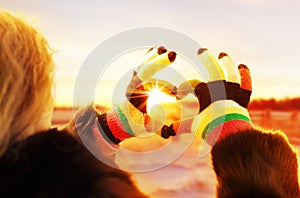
<point x="246" y="81"/>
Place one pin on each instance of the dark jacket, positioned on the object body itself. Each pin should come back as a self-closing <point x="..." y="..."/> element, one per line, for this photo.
<point x="54" y="164"/>
<point x="255" y="163"/>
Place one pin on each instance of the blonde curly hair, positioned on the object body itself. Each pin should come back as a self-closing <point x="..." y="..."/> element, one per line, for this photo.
<point x="26" y="78"/>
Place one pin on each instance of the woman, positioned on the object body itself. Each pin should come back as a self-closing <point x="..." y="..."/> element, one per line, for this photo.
<point x="35" y="160"/>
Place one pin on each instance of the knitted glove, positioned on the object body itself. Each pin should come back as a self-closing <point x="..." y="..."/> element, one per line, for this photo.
<point x="223" y="100"/>
<point x="129" y="118"/>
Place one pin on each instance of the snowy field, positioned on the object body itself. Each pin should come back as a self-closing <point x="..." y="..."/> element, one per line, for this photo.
<point x="191" y="175"/>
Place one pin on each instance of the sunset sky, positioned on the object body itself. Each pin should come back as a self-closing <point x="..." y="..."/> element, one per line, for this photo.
<point x="263" y="34"/>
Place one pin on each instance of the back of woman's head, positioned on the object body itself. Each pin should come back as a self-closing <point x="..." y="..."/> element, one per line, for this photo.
<point x="26" y="70"/>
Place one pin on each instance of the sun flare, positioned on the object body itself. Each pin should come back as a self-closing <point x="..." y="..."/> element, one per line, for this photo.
<point x="158" y="97"/>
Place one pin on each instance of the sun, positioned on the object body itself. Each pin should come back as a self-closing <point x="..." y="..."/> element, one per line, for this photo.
<point x="156" y="96"/>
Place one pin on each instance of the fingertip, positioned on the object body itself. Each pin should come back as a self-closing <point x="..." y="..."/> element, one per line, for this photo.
<point x="246" y="81"/>
<point x="201" y="50"/>
<point x="242" y="66"/>
<point x="172" y="56"/>
<point x="222" y="54"/>
<point x="161" y="50"/>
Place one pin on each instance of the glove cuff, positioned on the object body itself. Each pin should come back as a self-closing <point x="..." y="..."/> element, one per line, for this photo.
<point x="122" y="122"/>
<point x="220" y="119"/>
<point x="225" y="129"/>
<point x="85" y="126"/>
<point x="113" y="133"/>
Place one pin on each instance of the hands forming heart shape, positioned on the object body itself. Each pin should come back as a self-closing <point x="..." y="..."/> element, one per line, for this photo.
<point x="240" y="158"/>
<point x="223" y="100"/>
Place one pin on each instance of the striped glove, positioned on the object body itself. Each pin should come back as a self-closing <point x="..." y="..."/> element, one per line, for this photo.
<point x="129" y="118"/>
<point x="223" y="100"/>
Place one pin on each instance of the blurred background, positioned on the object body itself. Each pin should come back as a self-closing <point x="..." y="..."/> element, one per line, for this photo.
<point x="263" y="34"/>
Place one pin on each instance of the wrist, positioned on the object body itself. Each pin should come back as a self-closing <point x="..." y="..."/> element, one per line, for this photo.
<point x="220" y="119"/>
<point x="122" y="121"/>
